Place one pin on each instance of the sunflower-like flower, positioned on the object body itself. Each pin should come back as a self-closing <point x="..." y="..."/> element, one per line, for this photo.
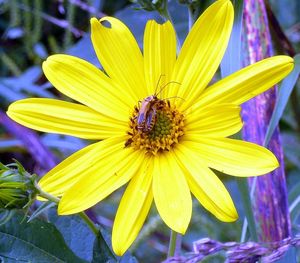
<point x="160" y="126"/>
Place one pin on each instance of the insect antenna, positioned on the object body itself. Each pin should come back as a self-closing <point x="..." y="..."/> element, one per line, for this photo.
<point x="162" y="75"/>
<point x="164" y="86"/>
<point x="175" y="97"/>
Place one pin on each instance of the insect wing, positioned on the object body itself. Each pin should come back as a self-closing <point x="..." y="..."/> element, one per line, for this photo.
<point x="141" y="119"/>
<point x="150" y="119"/>
<point x="146" y="105"/>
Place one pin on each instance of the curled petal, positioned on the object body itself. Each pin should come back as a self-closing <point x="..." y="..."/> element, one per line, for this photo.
<point x="120" y="56"/>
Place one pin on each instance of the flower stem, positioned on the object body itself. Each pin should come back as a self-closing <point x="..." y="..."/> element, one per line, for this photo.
<point x="56" y="200"/>
<point x="45" y="195"/>
<point x="89" y="222"/>
<point x="172" y="244"/>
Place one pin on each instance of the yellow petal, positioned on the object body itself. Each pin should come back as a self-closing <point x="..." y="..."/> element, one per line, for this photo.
<point x="100" y="179"/>
<point x="202" y="51"/>
<point x="171" y="193"/>
<point x="133" y="209"/>
<point x="206" y="186"/>
<point x="85" y="83"/>
<point x="214" y="121"/>
<point x="49" y="115"/>
<point x="231" y="156"/>
<point x="159" y="55"/>
<point x="247" y="82"/>
<point x="80" y="164"/>
<point x="120" y="56"/>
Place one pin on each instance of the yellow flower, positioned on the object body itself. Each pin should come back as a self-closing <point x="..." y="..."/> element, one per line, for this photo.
<point x="162" y="147"/>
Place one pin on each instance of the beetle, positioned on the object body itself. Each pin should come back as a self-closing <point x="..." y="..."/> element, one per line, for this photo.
<point x="147" y="113"/>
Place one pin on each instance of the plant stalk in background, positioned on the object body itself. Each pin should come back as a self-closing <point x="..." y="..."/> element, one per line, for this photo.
<point x="270" y="196"/>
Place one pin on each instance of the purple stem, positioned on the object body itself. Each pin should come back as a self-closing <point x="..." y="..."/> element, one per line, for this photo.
<point x="270" y="202"/>
<point x="31" y="142"/>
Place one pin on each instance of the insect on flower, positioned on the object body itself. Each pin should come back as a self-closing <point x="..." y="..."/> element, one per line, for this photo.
<point x="177" y="158"/>
<point x="147" y="113"/>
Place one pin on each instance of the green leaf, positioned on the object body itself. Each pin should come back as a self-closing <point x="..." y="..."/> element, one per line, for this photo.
<point x="76" y="233"/>
<point x="41" y="209"/>
<point x="102" y="252"/>
<point x="36" y="241"/>
<point x="284" y="93"/>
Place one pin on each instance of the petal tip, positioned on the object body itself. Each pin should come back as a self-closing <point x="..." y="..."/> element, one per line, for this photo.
<point x="9" y="112"/>
<point x="233" y="218"/>
<point x="94" y="21"/>
<point x="282" y="60"/>
<point x="153" y="21"/>
<point x="12" y="109"/>
<point x="277" y="164"/>
<point x="117" y="248"/>
<point x="225" y="3"/>
<point x="273" y="161"/>
<point x="44" y="65"/>
<point x="182" y="230"/>
<point x="95" y="25"/>
<point x="62" y="210"/>
<point x="287" y="58"/>
<point x="180" y="227"/>
<point x="230" y="216"/>
<point x="67" y="208"/>
<point x="50" y="60"/>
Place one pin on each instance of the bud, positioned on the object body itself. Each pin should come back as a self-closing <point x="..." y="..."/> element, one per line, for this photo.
<point x="17" y="188"/>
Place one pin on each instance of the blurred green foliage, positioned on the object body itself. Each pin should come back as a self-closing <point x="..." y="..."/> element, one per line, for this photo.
<point x="31" y="30"/>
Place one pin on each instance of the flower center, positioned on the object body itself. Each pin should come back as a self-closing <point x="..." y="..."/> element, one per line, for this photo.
<point x="155" y="126"/>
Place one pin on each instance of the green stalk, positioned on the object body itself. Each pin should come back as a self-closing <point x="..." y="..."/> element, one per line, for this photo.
<point x="172" y="244"/>
<point x="83" y="215"/>
<point x="90" y="223"/>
